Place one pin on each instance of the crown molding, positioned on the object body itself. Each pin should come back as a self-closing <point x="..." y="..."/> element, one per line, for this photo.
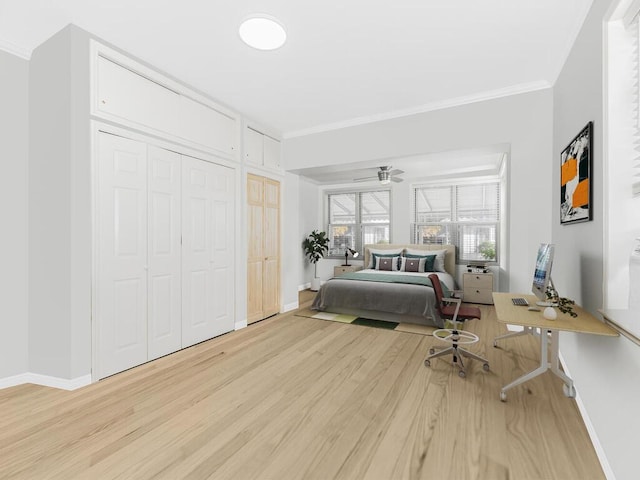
<point x="14" y="49"/>
<point x="429" y="107"/>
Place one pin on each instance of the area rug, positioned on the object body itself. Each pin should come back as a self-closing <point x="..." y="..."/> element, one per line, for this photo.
<point x="366" y="322"/>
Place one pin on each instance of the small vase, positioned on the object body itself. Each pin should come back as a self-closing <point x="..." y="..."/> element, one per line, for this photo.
<point x="549" y="313"/>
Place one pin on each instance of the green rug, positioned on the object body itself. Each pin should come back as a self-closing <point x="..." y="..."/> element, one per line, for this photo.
<point x="366" y="322"/>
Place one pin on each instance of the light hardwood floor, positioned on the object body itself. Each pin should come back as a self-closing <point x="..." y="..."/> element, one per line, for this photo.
<point x="298" y="398"/>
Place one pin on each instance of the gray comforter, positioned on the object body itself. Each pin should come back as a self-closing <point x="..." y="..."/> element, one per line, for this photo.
<point x="350" y="293"/>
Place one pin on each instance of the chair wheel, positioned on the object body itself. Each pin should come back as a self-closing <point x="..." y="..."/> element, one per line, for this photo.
<point x="503" y="396"/>
<point x="462" y="374"/>
<point x="485" y="367"/>
<point x="495" y="344"/>
<point x="427" y="363"/>
<point x="432" y="351"/>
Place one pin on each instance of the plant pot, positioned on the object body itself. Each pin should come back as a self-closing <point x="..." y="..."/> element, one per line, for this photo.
<point x="315" y="284"/>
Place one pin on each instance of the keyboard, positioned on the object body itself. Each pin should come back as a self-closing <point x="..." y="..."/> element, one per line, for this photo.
<point x="521" y="302"/>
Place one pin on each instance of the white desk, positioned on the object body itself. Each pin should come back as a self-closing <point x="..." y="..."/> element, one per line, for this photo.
<point x="512" y="314"/>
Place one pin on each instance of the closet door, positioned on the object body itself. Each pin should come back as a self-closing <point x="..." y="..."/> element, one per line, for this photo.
<point x="263" y="256"/>
<point x="255" y="255"/>
<point x="207" y="272"/>
<point x="164" y="289"/>
<point x="271" y="242"/>
<point x="223" y="249"/>
<point x="121" y="274"/>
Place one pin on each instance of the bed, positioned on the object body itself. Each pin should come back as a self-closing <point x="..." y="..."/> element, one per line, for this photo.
<point x="406" y="297"/>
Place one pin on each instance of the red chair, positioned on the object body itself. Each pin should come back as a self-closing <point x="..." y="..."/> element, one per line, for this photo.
<point x="453" y="310"/>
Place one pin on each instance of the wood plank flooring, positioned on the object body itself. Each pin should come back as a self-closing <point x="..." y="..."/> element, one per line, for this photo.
<point x="298" y="398"/>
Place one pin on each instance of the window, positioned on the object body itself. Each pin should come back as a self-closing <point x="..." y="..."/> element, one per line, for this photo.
<point x="631" y="23"/>
<point x="467" y="216"/>
<point x="621" y="184"/>
<point x="358" y="218"/>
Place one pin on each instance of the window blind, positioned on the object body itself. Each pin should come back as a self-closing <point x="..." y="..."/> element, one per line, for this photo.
<point x="467" y="216"/>
<point x="631" y="21"/>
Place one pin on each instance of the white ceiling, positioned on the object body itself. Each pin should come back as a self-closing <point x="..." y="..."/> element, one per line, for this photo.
<point x="345" y="61"/>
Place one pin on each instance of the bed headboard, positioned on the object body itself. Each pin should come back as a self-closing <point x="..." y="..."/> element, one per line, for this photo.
<point x="449" y="258"/>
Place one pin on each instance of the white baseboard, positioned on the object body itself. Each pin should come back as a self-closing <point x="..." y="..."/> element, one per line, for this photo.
<point x="240" y="325"/>
<point x="304" y="286"/>
<point x="290" y="306"/>
<point x="46" y="381"/>
<point x="602" y="457"/>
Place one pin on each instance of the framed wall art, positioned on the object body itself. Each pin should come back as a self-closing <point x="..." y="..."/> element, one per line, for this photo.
<point x="575" y="178"/>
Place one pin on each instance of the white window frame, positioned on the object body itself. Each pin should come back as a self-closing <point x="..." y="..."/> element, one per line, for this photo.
<point x="456" y="225"/>
<point x="358" y="230"/>
<point x="621" y="134"/>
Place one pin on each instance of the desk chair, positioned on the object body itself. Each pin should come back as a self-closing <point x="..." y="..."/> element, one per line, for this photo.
<point x="451" y="309"/>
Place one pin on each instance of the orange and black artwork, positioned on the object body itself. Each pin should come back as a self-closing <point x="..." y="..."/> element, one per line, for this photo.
<point x="575" y="178"/>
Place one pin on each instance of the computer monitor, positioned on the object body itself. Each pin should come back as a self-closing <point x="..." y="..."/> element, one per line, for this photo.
<point x="542" y="274"/>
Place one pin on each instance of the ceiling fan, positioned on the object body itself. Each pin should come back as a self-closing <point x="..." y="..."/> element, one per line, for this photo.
<point x="385" y="175"/>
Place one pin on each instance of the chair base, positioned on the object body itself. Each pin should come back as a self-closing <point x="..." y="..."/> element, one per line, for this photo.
<point x="457" y="354"/>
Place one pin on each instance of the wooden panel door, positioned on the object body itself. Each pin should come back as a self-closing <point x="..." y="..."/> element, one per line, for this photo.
<point x="263" y="257"/>
<point x="207" y="250"/>
<point x="271" y="242"/>
<point x="165" y="260"/>
<point x="255" y="256"/>
<point x="121" y="272"/>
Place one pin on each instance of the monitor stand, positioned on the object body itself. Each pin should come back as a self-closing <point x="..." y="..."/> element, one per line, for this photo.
<point x="542" y="303"/>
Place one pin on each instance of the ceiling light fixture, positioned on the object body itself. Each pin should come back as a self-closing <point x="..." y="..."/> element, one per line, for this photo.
<point x="262" y="32"/>
<point x="384" y="177"/>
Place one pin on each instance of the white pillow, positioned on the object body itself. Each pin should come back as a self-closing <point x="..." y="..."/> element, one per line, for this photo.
<point x="394" y="262"/>
<point x="390" y="251"/>
<point x="438" y="264"/>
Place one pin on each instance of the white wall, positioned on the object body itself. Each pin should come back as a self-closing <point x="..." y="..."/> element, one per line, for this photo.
<point x="309" y="208"/>
<point x="14" y="131"/>
<point x="59" y="208"/>
<point x="521" y="121"/>
<point x="291" y="260"/>
<point x="605" y="370"/>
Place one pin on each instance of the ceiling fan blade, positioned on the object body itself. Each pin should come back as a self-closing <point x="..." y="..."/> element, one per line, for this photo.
<point x="397" y="179"/>
<point x="364" y="179"/>
<point x="396" y="172"/>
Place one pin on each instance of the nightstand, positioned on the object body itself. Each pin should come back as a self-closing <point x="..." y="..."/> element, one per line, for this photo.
<point x="340" y="269"/>
<point x="478" y="287"/>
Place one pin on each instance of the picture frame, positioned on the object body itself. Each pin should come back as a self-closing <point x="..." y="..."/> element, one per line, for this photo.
<point x="576" y="165"/>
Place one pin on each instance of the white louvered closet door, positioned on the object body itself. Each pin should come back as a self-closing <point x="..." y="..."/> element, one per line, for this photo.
<point x="207" y="250"/>
<point x="121" y="294"/>
<point x="164" y="288"/>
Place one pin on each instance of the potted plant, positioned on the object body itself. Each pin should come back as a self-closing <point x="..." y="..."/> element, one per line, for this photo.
<point x="315" y="246"/>
<point x="565" y="305"/>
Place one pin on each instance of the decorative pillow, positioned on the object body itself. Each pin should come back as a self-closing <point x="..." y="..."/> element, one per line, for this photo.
<point x="387" y="263"/>
<point x="373" y="252"/>
<point x="439" y="263"/>
<point x="414" y="264"/>
<point x="429" y="260"/>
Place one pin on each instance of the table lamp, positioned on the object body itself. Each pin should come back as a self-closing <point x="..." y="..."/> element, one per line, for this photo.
<point x="348" y="251"/>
